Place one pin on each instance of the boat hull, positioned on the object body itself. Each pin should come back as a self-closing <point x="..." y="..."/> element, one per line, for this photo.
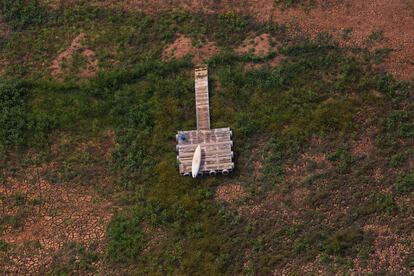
<point x="196" y="161"/>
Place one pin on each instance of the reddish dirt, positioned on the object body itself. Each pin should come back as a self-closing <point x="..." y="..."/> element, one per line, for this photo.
<point x="363" y="147"/>
<point x="3" y="64"/>
<point x="4" y="28"/>
<point x="230" y="193"/>
<point x="299" y="171"/>
<point x="66" y="214"/>
<point x="70" y="212"/>
<point x="65" y="59"/>
<point x="4" y="32"/>
<point x="259" y="45"/>
<point x="378" y="175"/>
<point x="395" y="18"/>
<point x="183" y="46"/>
<point x="390" y="252"/>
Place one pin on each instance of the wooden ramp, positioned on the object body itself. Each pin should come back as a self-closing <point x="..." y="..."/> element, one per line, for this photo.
<point x="216" y="144"/>
<point x="201" y="97"/>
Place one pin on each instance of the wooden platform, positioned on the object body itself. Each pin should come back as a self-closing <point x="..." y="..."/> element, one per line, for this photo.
<point x="216" y="144"/>
<point x="216" y="153"/>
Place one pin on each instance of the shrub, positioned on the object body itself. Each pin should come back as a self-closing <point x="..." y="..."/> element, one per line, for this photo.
<point x="12" y="113"/>
<point x="22" y="14"/>
<point x="405" y="183"/>
<point x="3" y="246"/>
<point x="342" y="241"/>
<point x="342" y="159"/>
<point x="72" y="259"/>
<point x="280" y="150"/>
<point x="397" y="160"/>
<point x="125" y="239"/>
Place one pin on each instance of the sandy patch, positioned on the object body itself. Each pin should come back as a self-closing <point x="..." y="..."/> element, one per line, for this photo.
<point x="4" y="28"/>
<point x="377" y="174"/>
<point x="299" y="197"/>
<point x="64" y="214"/>
<point x="3" y="65"/>
<point x="183" y="46"/>
<point x="230" y="193"/>
<point x="363" y="147"/>
<point x="259" y="45"/>
<point x="64" y="61"/>
<point x="307" y="164"/>
<point x="390" y="252"/>
<point x="50" y="215"/>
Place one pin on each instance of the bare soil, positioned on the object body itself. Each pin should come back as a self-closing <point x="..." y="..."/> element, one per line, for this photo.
<point x="390" y="251"/>
<point x="259" y="45"/>
<point x="3" y="64"/>
<point x="183" y="46"/>
<point x="53" y="215"/>
<point x="66" y="214"/>
<point x="230" y="193"/>
<point x="64" y="61"/>
<point x="364" y="146"/>
<point x="4" y="32"/>
<point x="4" y="28"/>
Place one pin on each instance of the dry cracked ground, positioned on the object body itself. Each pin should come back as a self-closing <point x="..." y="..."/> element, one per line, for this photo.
<point x="52" y="210"/>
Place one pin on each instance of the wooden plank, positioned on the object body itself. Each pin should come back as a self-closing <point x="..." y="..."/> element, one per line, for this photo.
<point x="223" y="155"/>
<point x="207" y="168"/>
<point x="202" y="98"/>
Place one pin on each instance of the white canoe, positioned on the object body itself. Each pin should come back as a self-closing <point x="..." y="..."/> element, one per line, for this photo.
<point x="196" y="161"/>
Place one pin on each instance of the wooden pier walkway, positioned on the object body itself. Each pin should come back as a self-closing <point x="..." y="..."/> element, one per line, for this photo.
<point x="216" y="144"/>
<point x="201" y="96"/>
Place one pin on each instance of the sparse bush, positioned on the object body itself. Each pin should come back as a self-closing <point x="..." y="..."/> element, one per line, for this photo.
<point x="405" y="183"/>
<point x="3" y="246"/>
<point x="13" y="118"/>
<point x="22" y="14"/>
<point x="125" y="239"/>
<point x="278" y="150"/>
<point x="342" y="159"/>
<point x="346" y="33"/>
<point x="342" y="241"/>
<point x="375" y="37"/>
<point x="293" y="3"/>
<point x="71" y="259"/>
<point x="397" y="160"/>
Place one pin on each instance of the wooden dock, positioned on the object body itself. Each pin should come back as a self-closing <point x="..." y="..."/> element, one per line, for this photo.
<point x="216" y="144"/>
<point x="202" y="101"/>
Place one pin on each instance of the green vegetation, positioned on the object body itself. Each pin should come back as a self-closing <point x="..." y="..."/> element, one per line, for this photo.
<point x="13" y="117"/>
<point x="22" y="14"/>
<point x="3" y="246"/>
<point x="405" y="183"/>
<point x="72" y="258"/>
<point x="173" y="225"/>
